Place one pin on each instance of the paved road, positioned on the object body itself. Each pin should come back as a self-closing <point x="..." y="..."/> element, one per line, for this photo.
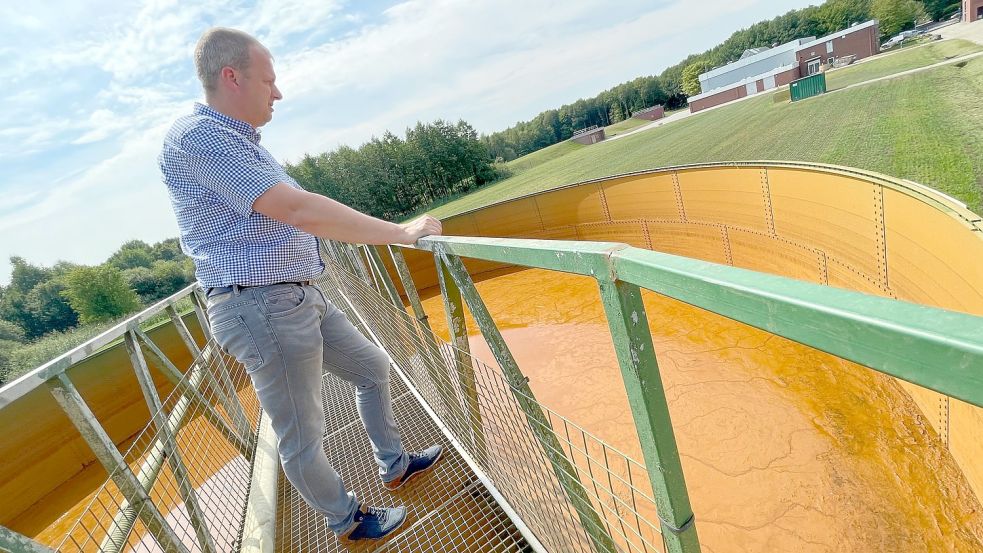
<point x="967" y="31"/>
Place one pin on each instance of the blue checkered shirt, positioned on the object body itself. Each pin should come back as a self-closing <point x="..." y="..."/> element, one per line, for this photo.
<point x="214" y="169"/>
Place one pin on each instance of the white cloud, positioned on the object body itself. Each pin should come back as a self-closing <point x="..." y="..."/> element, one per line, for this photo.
<point x="462" y="72"/>
<point x="97" y="82"/>
<point x="87" y="218"/>
<point x="273" y="21"/>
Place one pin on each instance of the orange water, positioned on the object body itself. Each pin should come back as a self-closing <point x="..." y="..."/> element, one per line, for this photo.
<point x="784" y="448"/>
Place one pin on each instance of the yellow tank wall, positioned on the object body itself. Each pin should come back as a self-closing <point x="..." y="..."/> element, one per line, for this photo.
<point x="838" y="227"/>
<point x="46" y="468"/>
<point x="835" y="226"/>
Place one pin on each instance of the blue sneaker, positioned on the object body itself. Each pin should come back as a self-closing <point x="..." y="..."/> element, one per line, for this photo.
<point x="376" y="522"/>
<point x="419" y="462"/>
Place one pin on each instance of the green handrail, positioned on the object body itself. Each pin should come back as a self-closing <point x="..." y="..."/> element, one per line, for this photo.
<point x="935" y="348"/>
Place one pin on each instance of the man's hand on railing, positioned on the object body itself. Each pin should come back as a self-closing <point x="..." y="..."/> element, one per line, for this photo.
<point x="420" y="227"/>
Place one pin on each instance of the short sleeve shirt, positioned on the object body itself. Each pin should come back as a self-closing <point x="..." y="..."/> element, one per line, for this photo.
<point x="215" y="169"/>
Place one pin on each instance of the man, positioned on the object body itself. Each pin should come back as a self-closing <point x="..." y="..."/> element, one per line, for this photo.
<point x="250" y="230"/>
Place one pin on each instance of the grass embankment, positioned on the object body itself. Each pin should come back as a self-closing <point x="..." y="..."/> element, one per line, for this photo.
<point x="904" y="60"/>
<point x="623" y="127"/>
<point x="927" y="127"/>
<point x="539" y="157"/>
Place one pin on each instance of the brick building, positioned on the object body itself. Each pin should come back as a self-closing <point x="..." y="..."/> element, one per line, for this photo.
<point x="588" y="136"/>
<point x="763" y="69"/>
<point x="650" y="113"/>
<point x="972" y="10"/>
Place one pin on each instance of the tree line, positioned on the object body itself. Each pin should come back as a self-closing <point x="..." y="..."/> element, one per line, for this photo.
<point x="390" y="177"/>
<point x="42" y="301"/>
<point x="671" y="87"/>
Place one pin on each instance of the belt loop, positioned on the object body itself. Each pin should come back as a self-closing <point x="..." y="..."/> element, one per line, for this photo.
<point x="236" y="289"/>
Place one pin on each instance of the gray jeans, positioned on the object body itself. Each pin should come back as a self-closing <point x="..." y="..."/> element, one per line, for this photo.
<point x="285" y="335"/>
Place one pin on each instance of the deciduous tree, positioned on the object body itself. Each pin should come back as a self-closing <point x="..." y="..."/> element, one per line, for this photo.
<point x="896" y="15"/>
<point x="99" y="293"/>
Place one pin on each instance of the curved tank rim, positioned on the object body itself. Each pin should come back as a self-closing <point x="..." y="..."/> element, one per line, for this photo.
<point x="922" y="192"/>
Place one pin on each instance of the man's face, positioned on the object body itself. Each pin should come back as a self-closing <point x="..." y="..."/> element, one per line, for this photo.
<point x="258" y="88"/>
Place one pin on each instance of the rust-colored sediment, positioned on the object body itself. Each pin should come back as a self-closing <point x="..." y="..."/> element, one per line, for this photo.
<point x="784" y="448"/>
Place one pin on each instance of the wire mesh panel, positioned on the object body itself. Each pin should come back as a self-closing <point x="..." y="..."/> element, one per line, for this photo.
<point x="480" y="408"/>
<point x="196" y="460"/>
<point x="428" y="499"/>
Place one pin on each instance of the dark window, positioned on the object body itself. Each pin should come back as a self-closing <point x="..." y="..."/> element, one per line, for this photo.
<point x="812" y="67"/>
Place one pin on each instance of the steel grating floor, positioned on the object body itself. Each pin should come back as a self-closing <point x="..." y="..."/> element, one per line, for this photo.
<point x="449" y="508"/>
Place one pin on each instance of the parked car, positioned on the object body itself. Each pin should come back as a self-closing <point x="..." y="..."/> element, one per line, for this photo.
<point x="890" y="43"/>
<point x="900" y="37"/>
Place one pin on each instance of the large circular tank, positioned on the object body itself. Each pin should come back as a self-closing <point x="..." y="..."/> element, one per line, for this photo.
<point x="830" y="225"/>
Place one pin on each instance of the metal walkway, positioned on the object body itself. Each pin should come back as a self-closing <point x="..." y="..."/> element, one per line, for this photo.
<point x="202" y="477"/>
<point x="494" y="461"/>
<point x="193" y="479"/>
<point x="449" y="509"/>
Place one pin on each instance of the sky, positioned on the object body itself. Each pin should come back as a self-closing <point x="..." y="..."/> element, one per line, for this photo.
<point x="92" y="86"/>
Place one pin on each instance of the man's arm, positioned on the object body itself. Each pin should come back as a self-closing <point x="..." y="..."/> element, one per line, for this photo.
<point x="326" y="218"/>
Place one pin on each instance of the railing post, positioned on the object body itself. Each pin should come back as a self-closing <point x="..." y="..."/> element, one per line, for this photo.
<point x="362" y="251"/>
<point x="406" y="278"/>
<point x="452" y="268"/>
<point x="224" y="375"/>
<point x="384" y="277"/>
<point x="333" y="250"/>
<point x="166" y="441"/>
<point x="458" y="329"/>
<point x="67" y="396"/>
<point x="242" y="443"/>
<point x="358" y="262"/>
<point x="18" y="543"/>
<point x="225" y="390"/>
<point x="640" y="371"/>
<point x="430" y="355"/>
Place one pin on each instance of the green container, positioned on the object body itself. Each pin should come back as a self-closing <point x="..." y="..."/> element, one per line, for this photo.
<point x="807" y="87"/>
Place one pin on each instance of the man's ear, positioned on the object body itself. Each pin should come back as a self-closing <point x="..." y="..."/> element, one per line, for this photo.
<point x="229" y="76"/>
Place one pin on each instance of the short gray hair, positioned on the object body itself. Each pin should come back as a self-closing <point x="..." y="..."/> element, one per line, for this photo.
<point x="220" y="47"/>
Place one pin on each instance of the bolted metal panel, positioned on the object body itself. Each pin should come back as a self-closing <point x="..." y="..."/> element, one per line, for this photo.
<point x="938" y="349"/>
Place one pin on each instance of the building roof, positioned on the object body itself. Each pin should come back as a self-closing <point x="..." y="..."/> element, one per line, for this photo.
<point x="777" y="50"/>
<point x="753" y="51"/>
<point x="838" y="34"/>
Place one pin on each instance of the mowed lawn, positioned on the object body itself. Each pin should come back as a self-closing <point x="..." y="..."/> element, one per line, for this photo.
<point x="903" y="60"/>
<point x="539" y="157"/>
<point x="622" y="127"/>
<point x="926" y="127"/>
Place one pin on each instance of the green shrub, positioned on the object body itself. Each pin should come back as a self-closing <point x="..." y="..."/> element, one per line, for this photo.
<point x="24" y="358"/>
